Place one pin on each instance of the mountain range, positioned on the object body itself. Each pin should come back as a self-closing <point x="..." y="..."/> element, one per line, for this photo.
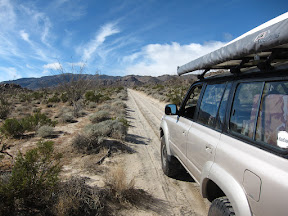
<point x="102" y="80"/>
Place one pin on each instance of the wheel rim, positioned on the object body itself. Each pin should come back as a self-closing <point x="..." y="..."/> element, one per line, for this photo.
<point x="164" y="156"/>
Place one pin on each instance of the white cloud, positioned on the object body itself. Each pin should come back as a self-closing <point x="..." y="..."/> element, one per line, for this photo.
<point x="105" y="31"/>
<point x="159" y="59"/>
<point x="24" y="35"/>
<point x="9" y="73"/>
<point x="53" y="66"/>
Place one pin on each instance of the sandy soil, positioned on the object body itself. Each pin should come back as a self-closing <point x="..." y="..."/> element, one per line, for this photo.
<point x="180" y="197"/>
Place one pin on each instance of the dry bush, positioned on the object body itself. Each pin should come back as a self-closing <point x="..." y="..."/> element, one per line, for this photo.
<point x="92" y="105"/>
<point x="108" y="128"/>
<point x="45" y="131"/>
<point x="65" y="115"/>
<point x="118" y="184"/>
<point x="87" y="144"/>
<point x="97" y="117"/>
<point x="75" y="197"/>
<point x="119" y="104"/>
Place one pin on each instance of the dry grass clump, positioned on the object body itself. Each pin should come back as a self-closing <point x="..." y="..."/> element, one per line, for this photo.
<point x="117" y="183"/>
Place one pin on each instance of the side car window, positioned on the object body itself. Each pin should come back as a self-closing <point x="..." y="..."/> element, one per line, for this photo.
<point x="191" y="103"/>
<point x="210" y="104"/>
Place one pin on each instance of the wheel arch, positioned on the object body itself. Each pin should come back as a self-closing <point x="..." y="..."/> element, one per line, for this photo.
<point x="220" y="183"/>
<point x="165" y="132"/>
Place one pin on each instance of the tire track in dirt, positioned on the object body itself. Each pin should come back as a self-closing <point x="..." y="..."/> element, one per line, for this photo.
<point x="181" y="198"/>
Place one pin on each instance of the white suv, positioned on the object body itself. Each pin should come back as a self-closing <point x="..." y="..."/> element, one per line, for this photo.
<point x="231" y="130"/>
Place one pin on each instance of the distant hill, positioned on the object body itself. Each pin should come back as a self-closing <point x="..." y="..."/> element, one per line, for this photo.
<point x="102" y="80"/>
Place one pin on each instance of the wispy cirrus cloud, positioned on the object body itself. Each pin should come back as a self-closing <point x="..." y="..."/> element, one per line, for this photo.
<point x="7" y="15"/>
<point x="158" y="59"/>
<point x="9" y="73"/>
<point x="89" y="49"/>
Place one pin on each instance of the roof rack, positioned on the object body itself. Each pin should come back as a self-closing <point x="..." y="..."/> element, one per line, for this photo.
<point x="263" y="47"/>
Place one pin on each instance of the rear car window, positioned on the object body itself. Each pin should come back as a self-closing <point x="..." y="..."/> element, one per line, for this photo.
<point x="260" y="112"/>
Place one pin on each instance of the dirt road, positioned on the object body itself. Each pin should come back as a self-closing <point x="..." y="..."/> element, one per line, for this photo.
<point x="178" y="197"/>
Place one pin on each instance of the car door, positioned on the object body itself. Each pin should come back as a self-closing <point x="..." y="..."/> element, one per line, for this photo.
<point x="204" y="133"/>
<point x="180" y="124"/>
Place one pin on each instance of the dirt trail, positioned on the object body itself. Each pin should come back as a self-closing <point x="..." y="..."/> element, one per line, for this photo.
<point x="181" y="197"/>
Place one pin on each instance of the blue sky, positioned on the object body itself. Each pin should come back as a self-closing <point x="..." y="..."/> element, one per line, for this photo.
<point x="120" y="37"/>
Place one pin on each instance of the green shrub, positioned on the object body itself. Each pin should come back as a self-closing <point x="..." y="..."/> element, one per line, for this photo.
<point x="12" y="127"/>
<point x="54" y="99"/>
<point x="33" y="122"/>
<point x="91" y="96"/>
<point x="64" y="97"/>
<point x="32" y="183"/>
<point x="37" y="95"/>
<point x="4" y="108"/>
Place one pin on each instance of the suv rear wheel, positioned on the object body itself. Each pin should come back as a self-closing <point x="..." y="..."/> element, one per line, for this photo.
<point x="221" y="207"/>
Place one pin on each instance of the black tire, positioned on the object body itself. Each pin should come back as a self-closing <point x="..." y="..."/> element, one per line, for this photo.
<point x="169" y="166"/>
<point x="221" y="207"/>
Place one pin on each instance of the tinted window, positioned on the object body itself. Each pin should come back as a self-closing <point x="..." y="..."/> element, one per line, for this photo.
<point x="272" y="124"/>
<point x="245" y="106"/>
<point x="222" y="108"/>
<point x="210" y="104"/>
<point x="191" y="103"/>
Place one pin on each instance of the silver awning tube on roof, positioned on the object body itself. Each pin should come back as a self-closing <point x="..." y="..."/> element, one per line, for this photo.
<point x="262" y="38"/>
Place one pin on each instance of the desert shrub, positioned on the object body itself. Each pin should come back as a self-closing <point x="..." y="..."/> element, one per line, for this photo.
<point x="36" y="110"/>
<point x="12" y="127"/>
<point x="100" y="116"/>
<point x="32" y="183"/>
<point x="92" y="105"/>
<point x="37" y="95"/>
<point x="54" y="99"/>
<point x="25" y="97"/>
<point x="45" y="131"/>
<point x="118" y="185"/>
<point x="33" y="122"/>
<point x="67" y="118"/>
<point x="108" y="128"/>
<point x="64" y="97"/>
<point x="4" y="107"/>
<point x="119" y="104"/>
<point x="65" y="115"/>
<point x="88" y="144"/>
<point x="104" y="106"/>
<point x="75" y="197"/>
<point x="122" y="95"/>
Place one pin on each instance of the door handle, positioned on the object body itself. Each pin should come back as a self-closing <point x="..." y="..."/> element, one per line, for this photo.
<point x="209" y="149"/>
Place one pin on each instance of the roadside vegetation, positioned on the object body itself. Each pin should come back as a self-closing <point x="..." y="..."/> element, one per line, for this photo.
<point x="173" y="93"/>
<point x="53" y="140"/>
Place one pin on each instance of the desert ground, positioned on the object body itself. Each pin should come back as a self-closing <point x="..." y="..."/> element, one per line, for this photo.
<point x="137" y="156"/>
